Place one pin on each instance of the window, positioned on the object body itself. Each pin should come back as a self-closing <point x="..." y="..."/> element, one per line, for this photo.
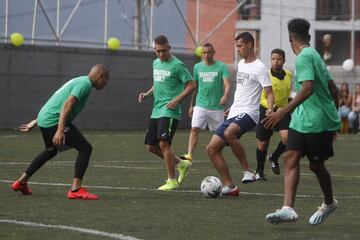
<point x="357" y="9"/>
<point x="250" y="10"/>
<point x="333" y="46"/>
<point x="333" y="9"/>
<point x="357" y="48"/>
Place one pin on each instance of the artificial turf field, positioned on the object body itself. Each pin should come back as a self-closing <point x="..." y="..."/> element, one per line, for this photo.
<point x="126" y="176"/>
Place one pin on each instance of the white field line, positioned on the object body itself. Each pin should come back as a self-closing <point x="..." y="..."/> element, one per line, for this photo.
<point x="71" y="164"/>
<point x="179" y="191"/>
<point x="70" y="228"/>
<point x="152" y="161"/>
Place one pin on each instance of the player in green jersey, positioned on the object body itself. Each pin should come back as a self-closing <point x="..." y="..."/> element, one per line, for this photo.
<point x="313" y="125"/>
<point x="172" y="82"/>
<point x="55" y="122"/>
<point x="207" y="103"/>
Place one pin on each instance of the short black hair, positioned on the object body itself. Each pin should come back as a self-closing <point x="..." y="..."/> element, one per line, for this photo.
<point x="209" y="45"/>
<point x="246" y="36"/>
<point x="161" y="40"/>
<point x="279" y="51"/>
<point x="299" y="27"/>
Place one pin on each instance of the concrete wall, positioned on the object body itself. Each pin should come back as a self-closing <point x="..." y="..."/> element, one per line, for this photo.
<point x="29" y="75"/>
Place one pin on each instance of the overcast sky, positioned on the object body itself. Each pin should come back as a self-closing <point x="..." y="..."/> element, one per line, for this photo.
<point x="87" y="23"/>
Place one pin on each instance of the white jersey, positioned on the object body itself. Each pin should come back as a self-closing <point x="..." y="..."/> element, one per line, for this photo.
<point x="251" y="78"/>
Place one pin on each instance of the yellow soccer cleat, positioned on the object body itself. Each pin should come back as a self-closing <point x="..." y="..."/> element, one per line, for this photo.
<point x="169" y="185"/>
<point x="183" y="168"/>
<point x="186" y="157"/>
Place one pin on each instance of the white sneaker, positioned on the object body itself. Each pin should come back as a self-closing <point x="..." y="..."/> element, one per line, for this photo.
<point x="249" y="177"/>
<point x="228" y="191"/>
<point x="283" y="215"/>
<point x="323" y="212"/>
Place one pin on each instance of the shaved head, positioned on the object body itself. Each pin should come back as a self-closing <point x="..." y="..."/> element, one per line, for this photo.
<point x="99" y="75"/>
<point x="99" y="69"/>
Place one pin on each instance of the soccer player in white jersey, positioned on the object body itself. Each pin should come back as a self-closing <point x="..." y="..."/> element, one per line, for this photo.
<point x="252" y="77"/>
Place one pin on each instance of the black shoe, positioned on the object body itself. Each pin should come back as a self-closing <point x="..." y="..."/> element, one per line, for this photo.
<point x="274" y="165"/>
<point x="259" y="176"/>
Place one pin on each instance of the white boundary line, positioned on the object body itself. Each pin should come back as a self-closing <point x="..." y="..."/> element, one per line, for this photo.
<point x="152" y="161"/>
<point x="70" y="228"/>
<point x="180" y="191"/>
<point x="71" y="164"/>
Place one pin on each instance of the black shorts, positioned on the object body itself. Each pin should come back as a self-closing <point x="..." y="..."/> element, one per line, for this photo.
<point x="264" y="134"/>
<point x="73" y="137"/>
<point x="161" y="129"/>
<point x="318" y="147"/>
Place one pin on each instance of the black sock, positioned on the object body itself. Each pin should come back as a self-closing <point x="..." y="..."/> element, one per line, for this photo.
<point x="75" y="190"/>
<point x="260" y="157"/>
<point x="278" y="151"/>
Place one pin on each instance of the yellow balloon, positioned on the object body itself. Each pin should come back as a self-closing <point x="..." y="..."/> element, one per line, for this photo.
<point x="198" y="52"/>
<point x="113" y="43"/>
<point x="17" y="39"/>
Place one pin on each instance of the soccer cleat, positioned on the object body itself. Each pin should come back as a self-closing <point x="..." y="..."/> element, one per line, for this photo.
<point x="283" y="215"/>
<point x="259" y="176"/>
<point x="183" y="168"/>
<point x="169" y="185"/>
<point x="228" y="191"/>
<point x="24" y="188"/>
<point x="249" y="177"/>
<point x="323" y="212"/>
<point x="186" y="157"/>
<point x="82" y="193"/>
<point x="274" y="165"/>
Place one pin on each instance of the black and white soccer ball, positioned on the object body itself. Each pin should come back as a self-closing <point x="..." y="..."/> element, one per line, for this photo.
<point x="211" y="186"/>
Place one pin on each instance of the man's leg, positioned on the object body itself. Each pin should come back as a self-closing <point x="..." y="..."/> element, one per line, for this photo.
<point x="170" y="161"/>
<point x="214" y="150"/>
<point x="261" y="151"/>
<point x="274" y="156"/>
<point x="49" y="152"/>
<point x="155" y="150"/>
<point x="39" y="161"/>
<point x="329" y="204"/>
<point x="324" y="179"/>
<point x="193" y="140"/>
<point x="320" y="149"/>
<point x="291" y="176"/>
<point x="198" y="122"/>
<point x="291" y="180"/>
<point x="169" y="158"/>
<point x="280" y="149"/>
<point x="75" y="139"/>
<point x="230" y="135"/>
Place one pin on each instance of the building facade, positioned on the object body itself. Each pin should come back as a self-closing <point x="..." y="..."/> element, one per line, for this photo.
<point x="335" y="29"/>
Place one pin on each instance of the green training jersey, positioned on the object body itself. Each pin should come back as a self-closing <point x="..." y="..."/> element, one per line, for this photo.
<point x="209" y="79"/>
<point x="169" y="80"/>
<point x="318" y="112"/>
<point x="79" y="87"/>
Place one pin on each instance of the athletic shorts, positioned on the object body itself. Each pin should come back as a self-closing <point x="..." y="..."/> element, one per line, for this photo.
<point x="243" y="120"/>
<point x="264" y="134"/>
<point x="73" y="137"/>
<point x="317" y="147"/>
<point x="161" y="129"/>
<point x="203" y="117"/>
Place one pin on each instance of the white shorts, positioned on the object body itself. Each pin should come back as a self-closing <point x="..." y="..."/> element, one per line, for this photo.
<point x="204" y="117"/>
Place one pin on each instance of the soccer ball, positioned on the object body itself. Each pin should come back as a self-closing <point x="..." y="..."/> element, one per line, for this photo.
<point x="211" y="186"/>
